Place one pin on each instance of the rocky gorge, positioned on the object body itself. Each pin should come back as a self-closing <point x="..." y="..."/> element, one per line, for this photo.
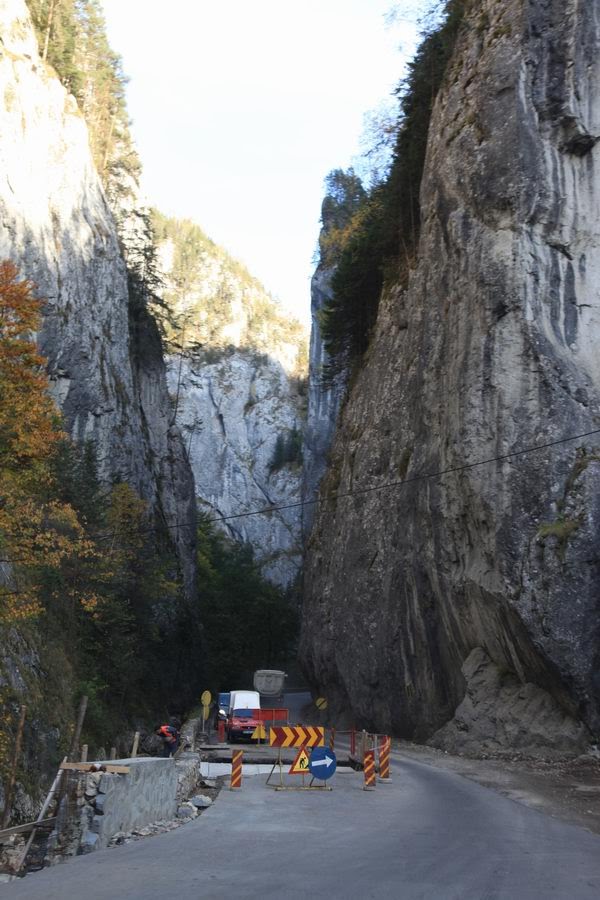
<point x="215" y="420"/>
<point x="236" y="373"/>
<point x="487" y="353"/>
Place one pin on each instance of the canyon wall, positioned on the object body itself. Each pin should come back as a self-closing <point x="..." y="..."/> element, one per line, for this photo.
<point x="236" y="373"/>
<point x="104" y="357"/>
<point x="489" y="351"/>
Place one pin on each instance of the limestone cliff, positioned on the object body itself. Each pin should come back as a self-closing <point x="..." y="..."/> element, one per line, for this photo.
<point x="236" y="378"/>
<point x="105" y="358"/>
<point x="491" y="349"/>
<point x="324" y="400"/>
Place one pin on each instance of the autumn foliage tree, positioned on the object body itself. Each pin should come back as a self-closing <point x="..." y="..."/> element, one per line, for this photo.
<point x="36" y="528"/>
<point x="81" y="557"/>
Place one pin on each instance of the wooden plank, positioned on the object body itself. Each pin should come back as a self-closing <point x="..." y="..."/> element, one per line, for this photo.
<point x="23" y="829"/>
<point x="102" y="767"/>
<point x="136" y="743"/>
<point x="51" y="793"/>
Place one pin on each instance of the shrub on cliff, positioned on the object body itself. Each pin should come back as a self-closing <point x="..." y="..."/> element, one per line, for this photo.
<point x="378" y="242"/>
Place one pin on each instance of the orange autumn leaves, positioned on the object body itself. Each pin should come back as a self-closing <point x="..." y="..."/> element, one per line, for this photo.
<point x="28" y="418"/>
<point x="37" y="530"/>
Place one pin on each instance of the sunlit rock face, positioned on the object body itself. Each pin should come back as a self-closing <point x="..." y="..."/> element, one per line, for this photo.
<point x="107" y="373"/>
<point x="237" y="393"/>
<point x="493" y="348"/>
<point x="232" y="412"/>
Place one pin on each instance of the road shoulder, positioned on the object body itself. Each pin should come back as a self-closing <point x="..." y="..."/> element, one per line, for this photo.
<point x="567" y="789"/>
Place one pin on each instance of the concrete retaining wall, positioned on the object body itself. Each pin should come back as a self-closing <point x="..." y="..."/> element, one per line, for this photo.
<point x="98" y="805"/>
<point x="123" y="802"/>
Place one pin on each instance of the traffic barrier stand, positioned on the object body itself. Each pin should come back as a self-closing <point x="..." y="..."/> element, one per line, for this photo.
<point x="303" y="737"/>
<point x="237" y="757"/>
<point x="369" y="770"/>
<point x="385" y="748"/>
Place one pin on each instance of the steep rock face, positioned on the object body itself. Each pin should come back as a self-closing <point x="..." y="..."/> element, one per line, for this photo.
<point x="236" y="385"/>
<point x="55" y="224"/>
<point x="232" y="412"/>
<point x="503" y="315"/>
<point x="324" y="399"/>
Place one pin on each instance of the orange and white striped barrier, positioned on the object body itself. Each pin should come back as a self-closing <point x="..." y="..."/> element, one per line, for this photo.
<point x="236" y="769"/>
<point x="369" y="770"/>
<point x="385" y="748"/>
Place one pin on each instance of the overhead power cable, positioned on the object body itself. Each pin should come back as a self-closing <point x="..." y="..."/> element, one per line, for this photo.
<point x="389" y="485"/>
<point x="423" y="476"/>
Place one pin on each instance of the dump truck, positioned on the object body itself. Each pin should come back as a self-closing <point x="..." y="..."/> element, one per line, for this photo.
<point x="269" y="682"/>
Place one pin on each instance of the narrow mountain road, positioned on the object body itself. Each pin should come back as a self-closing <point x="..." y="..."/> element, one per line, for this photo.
<point x="429" y="834"/>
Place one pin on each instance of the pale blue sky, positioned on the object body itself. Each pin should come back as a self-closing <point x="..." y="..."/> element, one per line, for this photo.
<point x="240" y="109"/>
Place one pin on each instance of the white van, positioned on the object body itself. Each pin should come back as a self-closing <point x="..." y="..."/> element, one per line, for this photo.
<point x="244" y="700"/>
<point x="243" y="718"/>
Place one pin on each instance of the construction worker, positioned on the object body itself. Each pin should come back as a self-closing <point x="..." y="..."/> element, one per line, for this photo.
<point x="169" y="737"/>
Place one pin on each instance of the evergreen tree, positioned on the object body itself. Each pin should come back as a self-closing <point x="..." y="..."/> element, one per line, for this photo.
<point x="377" y="242"/>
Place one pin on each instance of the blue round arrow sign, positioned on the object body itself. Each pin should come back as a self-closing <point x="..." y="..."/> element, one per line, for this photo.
<point x="322" y="763"/>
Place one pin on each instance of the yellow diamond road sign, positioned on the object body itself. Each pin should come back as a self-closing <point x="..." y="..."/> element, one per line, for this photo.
<point x="300" y="764"/>
<point x="259" y="733"/>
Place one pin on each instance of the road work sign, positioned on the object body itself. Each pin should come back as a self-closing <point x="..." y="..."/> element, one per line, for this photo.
<point x="259" y="733"/>
<point x="296" y="736"/>
<point x="300" y="766"/>
<point x="321" y="703"/>
<point x="322" y="763"/>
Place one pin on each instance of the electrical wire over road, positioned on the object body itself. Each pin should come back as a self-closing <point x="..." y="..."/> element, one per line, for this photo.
<point x="423" y="476"/>
<point x="390" y="485"/>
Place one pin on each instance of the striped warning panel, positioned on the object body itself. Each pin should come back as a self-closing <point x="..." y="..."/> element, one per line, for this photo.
<point x="385" y="748"/>
<point x="369" y="769"/>
<point x="296" y="736"/>
<point x="237" y="757"/>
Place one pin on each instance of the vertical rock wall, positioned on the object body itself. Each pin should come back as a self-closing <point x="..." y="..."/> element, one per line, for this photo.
<point x="237" y="387"/>
<point x="492" y="349"/>
<point x="324" y="399"/>
<point x="56" y="226"/>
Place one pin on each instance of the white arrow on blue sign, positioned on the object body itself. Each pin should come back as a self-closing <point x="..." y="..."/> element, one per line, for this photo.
<point x="322" y="763"/>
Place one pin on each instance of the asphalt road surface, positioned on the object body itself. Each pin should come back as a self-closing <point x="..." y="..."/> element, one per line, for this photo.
<point x="429" y="834"/>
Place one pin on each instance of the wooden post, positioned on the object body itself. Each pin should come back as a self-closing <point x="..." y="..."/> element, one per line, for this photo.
<point x="136" y="741"/>
<point x="53" y="790"/>
<point x="84" y="753"/>
<point x="113" y="753"/>
<point x="78" y="726"/>
<point x="13" y="770"/>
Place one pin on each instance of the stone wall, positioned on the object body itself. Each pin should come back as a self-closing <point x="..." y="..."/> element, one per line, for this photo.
<point x="100" y="804"/>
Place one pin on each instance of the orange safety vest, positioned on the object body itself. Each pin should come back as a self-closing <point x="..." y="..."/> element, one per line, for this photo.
<point x="167" y="732"/>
